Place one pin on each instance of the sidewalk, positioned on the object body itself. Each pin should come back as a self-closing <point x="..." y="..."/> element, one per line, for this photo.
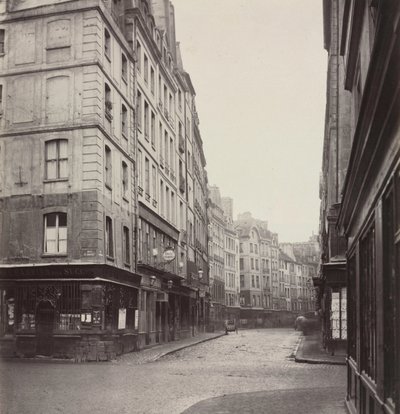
<point x="152" y="354"/>
<point x="328" y="400"/>
<point x="310" y="351"/>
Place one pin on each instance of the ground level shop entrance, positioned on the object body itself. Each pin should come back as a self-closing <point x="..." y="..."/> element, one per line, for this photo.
<point x="86" y="319"/>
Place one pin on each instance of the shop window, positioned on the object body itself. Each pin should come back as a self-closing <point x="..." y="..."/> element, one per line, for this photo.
<point x="368" y="304"/>
<point x="56" y="159"/>
<point x="7" y="311"/>
<point x="109" y="238"/>
<point x="55" y="233"/>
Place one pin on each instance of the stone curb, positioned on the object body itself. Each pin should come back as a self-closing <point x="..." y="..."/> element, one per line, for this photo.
<point x="311" y="360"/>
<point x="172" y="351"/>
<point x="72" y="361"/>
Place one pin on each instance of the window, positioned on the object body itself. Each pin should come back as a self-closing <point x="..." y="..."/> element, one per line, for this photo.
<point x="162" y="198"/>
<point x="139" y="110"/>
<point x="252" y="263"/>
<point x="107" y="102"/>
<point x="126" y="246"/>
<point x="154" y="182"/>
<point x="153" y="129"/>
<point x="107" y="43"/>
<point x="180" y="99"/>
<point x="152" y="80"/>
<point x="255" y="249"/>
<point x="55" y="233"/>
<point x="252" y="281"/>
<point x="140" y="170"/>
<point x="124" y="67"/>
<point x="124" y="120"/>
<point x="138" y="56"/>
<point x="257" y="268"/>
<point x="56" y="159"/>
<point x="146" y="68"/>
<point x="108" y="167"/>
<point x="251" y="247"/>
<point x="173" y="209"/>
<point x="125" y="179"/>
<point x="2" y="36"/>
<point x="242" y="281"/>
<point x="109" y="238"/>
<point x="147" y="176"/>
<point x="146" y="120"/>
<point x="258" y="281"/>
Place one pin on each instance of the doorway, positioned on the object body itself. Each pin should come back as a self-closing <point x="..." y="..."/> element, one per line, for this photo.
<point x="44" y="328"/>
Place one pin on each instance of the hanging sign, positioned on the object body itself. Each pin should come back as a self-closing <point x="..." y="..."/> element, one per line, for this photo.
<point x="169" y="255"/>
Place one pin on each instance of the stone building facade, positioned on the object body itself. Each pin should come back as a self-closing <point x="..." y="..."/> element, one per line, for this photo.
<point x="99" y="253"/>
<point x="360" y="198"/>
<point x="68" y="282"/>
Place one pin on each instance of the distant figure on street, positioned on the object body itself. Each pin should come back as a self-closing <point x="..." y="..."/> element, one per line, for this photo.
<point x="299" y="322"/>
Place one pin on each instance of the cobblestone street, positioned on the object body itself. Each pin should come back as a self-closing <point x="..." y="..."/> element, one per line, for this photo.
<point x="250" y="361"/>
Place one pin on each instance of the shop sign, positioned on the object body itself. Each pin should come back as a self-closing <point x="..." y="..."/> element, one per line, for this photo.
<point x="136" y="319"/>
<point x="122" y="318"/>
<point x="96" y="317"/>
<point x="169" y="255"/>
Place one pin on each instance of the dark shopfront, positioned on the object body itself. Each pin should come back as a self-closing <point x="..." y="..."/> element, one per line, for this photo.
<point x="76" y="311"/>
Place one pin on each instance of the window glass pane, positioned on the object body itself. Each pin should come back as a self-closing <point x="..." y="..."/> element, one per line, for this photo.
<point x="62" y="233"/>
<point x="63" y="165"/>
<point x="51" y="220"/>
<point x="62" y="246"/>
<point x="62" y="219"/>
<point x="63" y="148"/>
<point x="51" y="169"/>
<point x="51" y="150"/>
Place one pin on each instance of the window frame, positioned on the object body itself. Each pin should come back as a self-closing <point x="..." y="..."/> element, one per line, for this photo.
<point x="57" y="227"/>
<point x="58" y="159"/>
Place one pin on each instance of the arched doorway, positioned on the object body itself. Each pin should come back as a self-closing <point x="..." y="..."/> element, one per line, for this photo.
<point x="44" y="328"/>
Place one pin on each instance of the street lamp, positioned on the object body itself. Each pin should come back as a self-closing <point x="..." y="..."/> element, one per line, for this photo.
<point x="169" y="284"/>
<point x="200" y="274"/>
<point x="152" y="280"/>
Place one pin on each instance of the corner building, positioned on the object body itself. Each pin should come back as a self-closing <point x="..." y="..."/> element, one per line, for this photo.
<point x="67" y="281"/>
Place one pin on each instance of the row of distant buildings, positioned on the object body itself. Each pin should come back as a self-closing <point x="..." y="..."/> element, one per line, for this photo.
<point x="111" y="239"/>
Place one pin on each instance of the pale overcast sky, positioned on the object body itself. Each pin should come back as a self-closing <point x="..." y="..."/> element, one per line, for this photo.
<point x="259" y="70"/>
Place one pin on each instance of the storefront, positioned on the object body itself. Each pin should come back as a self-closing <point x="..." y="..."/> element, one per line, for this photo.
<point x="76" y="311"/>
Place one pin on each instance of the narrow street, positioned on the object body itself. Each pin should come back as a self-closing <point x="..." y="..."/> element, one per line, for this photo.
<point x="248" y="362"/>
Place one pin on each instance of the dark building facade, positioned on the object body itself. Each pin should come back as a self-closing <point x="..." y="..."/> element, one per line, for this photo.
<point x="365" y="36"/>
<point x="67" y="263"/>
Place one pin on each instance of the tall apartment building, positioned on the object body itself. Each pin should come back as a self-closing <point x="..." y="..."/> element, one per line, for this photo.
<point x="67" y="145"/>
<point x="98" y="207"/>
<point x="231" y="257"/>
<point x="360" y="197"/>
<point x="216" y="252"/>
<point x="171" y="307"/>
